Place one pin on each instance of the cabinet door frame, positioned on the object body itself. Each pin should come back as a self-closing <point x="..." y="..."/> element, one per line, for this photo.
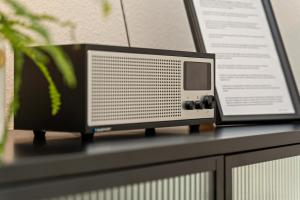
<point x="254" y="157"/>
<point x="80" y="183"/>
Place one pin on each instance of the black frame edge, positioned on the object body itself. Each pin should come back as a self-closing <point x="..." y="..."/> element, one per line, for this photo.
<point x="194" y="25"/>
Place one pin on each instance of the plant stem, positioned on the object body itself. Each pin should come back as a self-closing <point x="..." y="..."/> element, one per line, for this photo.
<point x="6" y="128"/>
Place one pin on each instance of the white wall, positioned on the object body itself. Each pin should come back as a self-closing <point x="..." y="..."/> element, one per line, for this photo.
<point x="161" y="24"/>
<point x="151" y="23"/>
<point x="288" y="17"/>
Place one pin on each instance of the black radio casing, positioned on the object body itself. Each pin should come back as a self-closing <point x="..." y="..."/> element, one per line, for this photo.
<point x="35" y="110"/>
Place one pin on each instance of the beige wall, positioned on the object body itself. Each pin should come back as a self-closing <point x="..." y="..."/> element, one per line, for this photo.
<point x="152" y="23"/>
<point x="161" y="24"/>
<point x="288" y="17"/>
<point x="92" y="27"/>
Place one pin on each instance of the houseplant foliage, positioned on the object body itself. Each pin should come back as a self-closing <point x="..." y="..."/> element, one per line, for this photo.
<point x="22" y="28"/>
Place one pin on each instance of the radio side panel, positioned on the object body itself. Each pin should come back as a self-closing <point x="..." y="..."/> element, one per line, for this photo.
<point x="35" y="110"/>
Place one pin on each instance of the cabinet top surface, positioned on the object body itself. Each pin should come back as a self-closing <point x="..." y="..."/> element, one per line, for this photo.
<point x="65" y="153"/>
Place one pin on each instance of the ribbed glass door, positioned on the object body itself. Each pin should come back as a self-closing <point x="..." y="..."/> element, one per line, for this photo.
<point x="272" y="180"/>
<point x="196" y="186"/>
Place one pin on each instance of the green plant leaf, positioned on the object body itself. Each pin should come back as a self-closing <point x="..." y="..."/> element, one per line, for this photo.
<point x="106" y="7"/>
<point x="63" y="64"/>
<point x="19" y="60"/>
<point x="55" y="97"/>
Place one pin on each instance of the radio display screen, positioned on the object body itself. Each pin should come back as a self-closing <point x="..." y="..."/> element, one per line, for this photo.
<point x="197" y="76"/>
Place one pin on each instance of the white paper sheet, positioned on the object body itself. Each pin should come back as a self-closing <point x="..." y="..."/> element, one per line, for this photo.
<point x="249" y="76"/>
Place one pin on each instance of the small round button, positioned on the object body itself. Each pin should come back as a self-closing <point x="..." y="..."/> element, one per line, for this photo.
<point x="199" y="105"/>
<point x="209" y="101"/>
<point x="189" y="105"/>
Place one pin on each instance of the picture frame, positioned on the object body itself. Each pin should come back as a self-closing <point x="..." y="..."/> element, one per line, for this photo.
<point x="223" y="119"/>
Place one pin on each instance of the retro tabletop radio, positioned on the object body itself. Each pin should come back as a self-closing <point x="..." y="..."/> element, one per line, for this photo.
<point x="121" y="88"/>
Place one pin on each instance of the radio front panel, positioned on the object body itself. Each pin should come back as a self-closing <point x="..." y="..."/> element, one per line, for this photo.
<point x="125" y="88"/>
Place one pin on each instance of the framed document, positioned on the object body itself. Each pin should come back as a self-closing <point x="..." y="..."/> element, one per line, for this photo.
<point x="254" y="80"/>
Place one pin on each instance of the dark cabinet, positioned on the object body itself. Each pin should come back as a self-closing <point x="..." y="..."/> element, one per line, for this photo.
<point x="182" y="180"/>
<point x="231" y="163"/>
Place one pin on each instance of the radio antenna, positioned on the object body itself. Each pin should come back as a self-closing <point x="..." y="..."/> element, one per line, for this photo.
<point x="125" y="23"/>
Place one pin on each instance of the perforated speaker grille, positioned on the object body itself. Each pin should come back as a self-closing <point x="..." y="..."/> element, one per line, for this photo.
<point x="133" y="87"/>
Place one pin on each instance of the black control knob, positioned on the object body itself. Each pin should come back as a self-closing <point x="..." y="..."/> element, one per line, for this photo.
<point x="209" y="101"/>
<point x="189" y="105"/>
<point x="199" y="105"/>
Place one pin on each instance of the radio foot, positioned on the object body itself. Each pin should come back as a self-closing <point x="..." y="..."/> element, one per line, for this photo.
<point x="194" y="129"/>
<point x="39" y="138"/>
<point x="39" y="134"/>
<point x="150" y="132"/>
<point x="87" y="137"/>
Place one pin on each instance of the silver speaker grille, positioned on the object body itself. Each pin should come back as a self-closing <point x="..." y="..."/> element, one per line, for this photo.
<point x="131" y="87"/>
